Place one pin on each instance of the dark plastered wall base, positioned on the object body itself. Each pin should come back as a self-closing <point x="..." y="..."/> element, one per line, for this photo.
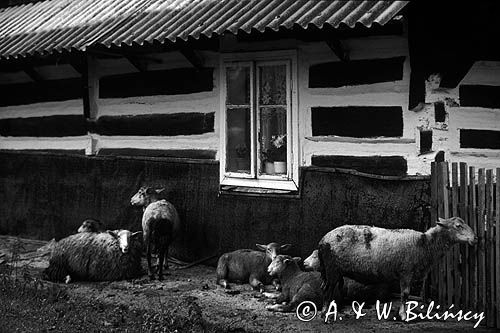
<point x="49" y="195"/>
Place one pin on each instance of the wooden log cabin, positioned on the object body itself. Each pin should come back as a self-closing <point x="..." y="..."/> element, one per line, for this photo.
<point x="264" y="120"/>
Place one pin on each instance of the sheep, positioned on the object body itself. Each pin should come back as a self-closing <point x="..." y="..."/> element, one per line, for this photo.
<point x="297" y="286"/>
<point x="160" y="226"/>
<point x="95" y="256"/>
<point x="91" y="225"/>
<point x="370" y="254"/>
<point x="353" y="290"/>
<point x="249" y="265"/>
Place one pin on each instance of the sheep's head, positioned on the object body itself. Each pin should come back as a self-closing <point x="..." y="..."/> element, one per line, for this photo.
<point x="124" y="237"/>
<point x="273" y="249"/>
<point x="312" y="262"/>
<point x="458" y="230"/>
<point x="280" y="263"/>
<point x="145" y="196"/>
<point x="91" y="225"/>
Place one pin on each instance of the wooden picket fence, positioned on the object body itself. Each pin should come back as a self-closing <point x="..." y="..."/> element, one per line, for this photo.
<point x="468" y="277"/>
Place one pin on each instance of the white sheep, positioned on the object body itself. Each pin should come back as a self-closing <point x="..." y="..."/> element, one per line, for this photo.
<point x="95" y="256"/>
<point x="373" y="255"/>
<point x="160" y="225"/>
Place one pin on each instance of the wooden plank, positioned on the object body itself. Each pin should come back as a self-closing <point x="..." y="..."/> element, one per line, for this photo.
<point x="90" y="80"/>
<point x="490" y="264"/>
<point x="480" y="232"/>
<point x="440" y="213"/>
<point x="50" y="126"/>
<point x="497" y="248"/>
<point x="338" y="120"/>
<point x="434" y="274"/>
<point x="474" y="250"/>
<point x="449" y="257"/>
<point x="456" y="260"/>
<point x="464" y="249"/>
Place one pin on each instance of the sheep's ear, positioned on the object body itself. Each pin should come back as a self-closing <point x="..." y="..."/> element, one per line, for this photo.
<point x="297" y="259"/>
<point x="261" y="247"/>
<point x="287" y="261"/>
<point x="285" y="247"/>
<point x="160" y="190"/>
<point x="135" y="234"/>
<point x="442" y="222"/>
<point x="112" y="233"/>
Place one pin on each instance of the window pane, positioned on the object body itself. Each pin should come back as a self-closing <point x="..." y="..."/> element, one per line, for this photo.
<point x="272" y="80"/>
<point x="238" y="140"/>
<point x="238" y="85"/>
<point x="272" y="140"/>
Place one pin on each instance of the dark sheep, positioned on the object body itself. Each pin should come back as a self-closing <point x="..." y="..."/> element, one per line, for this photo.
<point x="160" y="226"/>
<point x="297" y="286"/>
<point x="249" y="265"/>
<point x="91" y="225"/>
<point x="104" y="256"/>
<point x="353" y="290"/>
<point x="372" y="255"/>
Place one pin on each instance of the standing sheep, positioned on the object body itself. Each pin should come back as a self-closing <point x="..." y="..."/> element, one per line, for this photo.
<point x="95" y="256"/>
<point x="370" y="254"/>
<point x="160" y="225"/>
<point x="248" y="265"/>
<point x="297" y="286"/>
<point x="353" y="290"/>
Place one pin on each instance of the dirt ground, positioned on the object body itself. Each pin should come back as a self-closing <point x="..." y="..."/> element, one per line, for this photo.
<point x="188" y="300"/>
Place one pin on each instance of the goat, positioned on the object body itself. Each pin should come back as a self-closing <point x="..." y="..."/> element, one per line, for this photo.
<point x="95" y="256"/>
<point x="249" y="265"/>
<point x="160" y="225"/>
<point x="297" y="286"/>
<point x="353" y="290"/>
<point x="370" y="254"/>
<point x="91" y="225"/>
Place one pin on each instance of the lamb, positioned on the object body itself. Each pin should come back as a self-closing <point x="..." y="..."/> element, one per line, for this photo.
<point x="91" y="225"/>
<point x="95" y="256"/>
<point x="249" y="265"/>
<point x="353" y="290"/>
<point x="370" y="254"/>
<point x="297" y="286"/>
<point x="160" y="226"/>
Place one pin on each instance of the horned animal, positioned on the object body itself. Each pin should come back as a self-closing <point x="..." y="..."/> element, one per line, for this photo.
<point x="297" y="286"/>
<point x="249" y="265"/>
<point x="370" y="254"/>
<point x="95" y="256"/>
<point x="160" y="226"/>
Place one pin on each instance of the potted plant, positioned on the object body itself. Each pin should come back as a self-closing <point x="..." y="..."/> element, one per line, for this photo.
<point x="267" y="157"/>
<point x="278" y="146"/>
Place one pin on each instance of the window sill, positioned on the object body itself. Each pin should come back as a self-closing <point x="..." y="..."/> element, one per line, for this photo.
<point x="256" y="185"/>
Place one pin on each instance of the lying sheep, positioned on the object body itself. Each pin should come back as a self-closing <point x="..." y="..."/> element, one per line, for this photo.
<point x="370" y="254"/>
<point x="160" y="225"/>
<point x="249" y="265"/>
<point x="102" y="256"/>
<point x="91" y="225"/>
<point x="297" y="286"/>
<point x="353" y="290"/>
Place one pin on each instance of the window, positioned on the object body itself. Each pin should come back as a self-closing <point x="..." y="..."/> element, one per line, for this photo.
<point x="258" y="146"/>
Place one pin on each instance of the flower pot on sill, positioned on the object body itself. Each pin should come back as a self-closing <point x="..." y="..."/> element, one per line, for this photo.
<point x="280" y="167"/>
<point x="269" y="168"/>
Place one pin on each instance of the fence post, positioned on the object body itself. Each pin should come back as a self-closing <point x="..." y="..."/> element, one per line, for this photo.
<point x="497" y="249"/>
<point x="474" y="250"/>
<point x="490" y="259"/>
<point x="464" y="249"/>
<point x="480" y="233"/>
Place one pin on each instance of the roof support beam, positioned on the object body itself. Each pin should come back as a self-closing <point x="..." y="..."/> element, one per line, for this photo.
<point x="336" y="46"/>
<point x="193" y="57"/>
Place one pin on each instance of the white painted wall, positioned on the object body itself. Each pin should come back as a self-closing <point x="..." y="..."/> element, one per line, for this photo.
<point x="446" y="135"/>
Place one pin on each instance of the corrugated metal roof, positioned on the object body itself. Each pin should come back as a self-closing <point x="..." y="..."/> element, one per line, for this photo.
<point x="57" y="25"/>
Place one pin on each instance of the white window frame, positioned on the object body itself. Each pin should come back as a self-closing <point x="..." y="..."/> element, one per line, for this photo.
<point x="291" y="180"/>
